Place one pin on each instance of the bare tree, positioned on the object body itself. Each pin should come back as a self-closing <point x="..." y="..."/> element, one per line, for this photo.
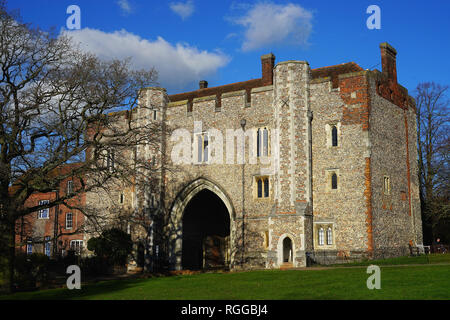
<point x="433" y="153"/>
<point x="59" y="106"/>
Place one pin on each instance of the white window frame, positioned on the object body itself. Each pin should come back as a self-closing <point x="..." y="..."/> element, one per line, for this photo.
<point x="69" y="187"/>
<point x="42" y="211"/>
<point x="67" y="220"/>
<point x="47" y="246"/>
<point x="329" y="236"/>
<point x="76" y="245"/>
<point x="324" y="234"/>
<point x="320" y="233"/>
<point x="29" y="247"/>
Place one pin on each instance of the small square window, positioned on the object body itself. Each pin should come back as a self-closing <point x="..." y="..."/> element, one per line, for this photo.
<point x="44" y="213"/>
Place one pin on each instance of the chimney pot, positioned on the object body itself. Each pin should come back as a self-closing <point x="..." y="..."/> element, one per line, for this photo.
<point x="203" y="84"/>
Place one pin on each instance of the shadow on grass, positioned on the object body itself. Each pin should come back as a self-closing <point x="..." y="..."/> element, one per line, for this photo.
<point x="93" y="290"/>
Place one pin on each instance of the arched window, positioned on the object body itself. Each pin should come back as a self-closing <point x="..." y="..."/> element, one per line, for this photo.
<point x="266" y="187"/>
<point x="334" y="136"/>
<point x="258" y="142"/>
<point x="333" y="181"/>
<point x="260" y="186"/>
<point x="321" y="236"/>
<point x="329" y="236"/>
<point x="262" y="142"/>
<point x="265" y="149"/>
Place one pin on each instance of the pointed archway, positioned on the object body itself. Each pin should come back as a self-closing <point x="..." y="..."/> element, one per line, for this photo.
<point x="206" y="233"/>
<point x="189" y="236"/>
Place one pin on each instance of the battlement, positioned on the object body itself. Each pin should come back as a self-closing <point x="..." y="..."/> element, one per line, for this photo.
<point x="386" y="81"/>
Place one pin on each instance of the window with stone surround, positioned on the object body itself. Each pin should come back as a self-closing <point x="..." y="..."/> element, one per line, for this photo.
<point x="202" y="147"/>
<point x="109" y="159"/>
<point x="333" y="180"/>
<point x="387" y="185"/>
<point x="329" y="236"/>
<point x="334" y="136"/>
<point x="324" y="235"/>
<point x="332" y="130"/>
<point x="321" y="243"/>
<point x="262" y="187"/>
<point x="262" y="142"/>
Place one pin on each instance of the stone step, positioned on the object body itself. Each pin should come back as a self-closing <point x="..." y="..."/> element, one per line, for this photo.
<point x="286" y="265"/>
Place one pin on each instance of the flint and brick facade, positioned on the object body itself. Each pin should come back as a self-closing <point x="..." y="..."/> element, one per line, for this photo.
<point x="342" y="177"/>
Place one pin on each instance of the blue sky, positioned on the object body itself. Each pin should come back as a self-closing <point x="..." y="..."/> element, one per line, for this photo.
<point x="222" y="41"/>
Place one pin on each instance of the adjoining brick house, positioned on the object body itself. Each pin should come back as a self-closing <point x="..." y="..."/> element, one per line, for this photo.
<point x="342" y="182"/>
<point x="55" y="230"/>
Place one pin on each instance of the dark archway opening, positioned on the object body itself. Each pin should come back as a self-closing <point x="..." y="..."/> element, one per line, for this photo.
<point x="287" y="250"/>
<point x="206" y="232"/>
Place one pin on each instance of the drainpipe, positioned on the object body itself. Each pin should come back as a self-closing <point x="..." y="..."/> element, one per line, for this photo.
<point x="243" y="122"/>
<point x="55" y="226"/>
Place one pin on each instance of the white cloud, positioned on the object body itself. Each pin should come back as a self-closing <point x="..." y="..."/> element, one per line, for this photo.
<point x="270" y="24"/>
<point x="183" y="9"/>
<point x="125" y="6"/>
<point x="178" y="65"/>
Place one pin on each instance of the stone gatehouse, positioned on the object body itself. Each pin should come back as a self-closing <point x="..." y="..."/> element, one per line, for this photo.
<point x="329" y="170"/>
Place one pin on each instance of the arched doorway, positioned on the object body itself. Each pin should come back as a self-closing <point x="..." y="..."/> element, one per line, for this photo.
<point x="206" y="232"/>
<point x="287" y="250"/>
<point x="177" y="215"/>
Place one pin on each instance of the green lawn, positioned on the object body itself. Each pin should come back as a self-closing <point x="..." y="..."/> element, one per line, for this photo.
<point x="397" y="282"/>
<point x="422" y="259"/>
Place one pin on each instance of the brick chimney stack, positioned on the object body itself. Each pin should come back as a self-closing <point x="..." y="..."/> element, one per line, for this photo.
<point x="203" y="84"/>
<point x="389" y="61"/>
<point x="267" y="62"/>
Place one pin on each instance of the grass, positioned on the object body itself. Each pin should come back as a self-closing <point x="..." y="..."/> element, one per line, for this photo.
<point x="397" y="282"/>
<point x="422" y="259"/>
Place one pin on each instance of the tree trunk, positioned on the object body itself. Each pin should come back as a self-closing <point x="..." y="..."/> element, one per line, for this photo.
<point x="8" y="255"/>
